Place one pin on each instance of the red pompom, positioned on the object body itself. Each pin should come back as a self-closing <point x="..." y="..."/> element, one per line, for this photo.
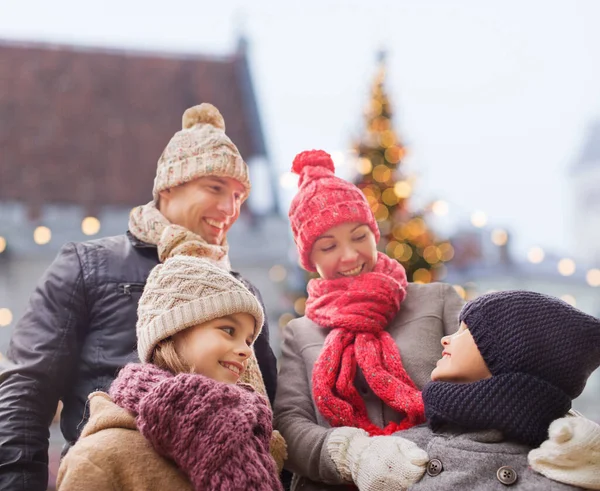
<point x="312" y="158"/>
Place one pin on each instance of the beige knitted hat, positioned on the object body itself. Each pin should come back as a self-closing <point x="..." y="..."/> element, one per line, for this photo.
<point x="185" y="291"/>
<point x="201" y="148"/>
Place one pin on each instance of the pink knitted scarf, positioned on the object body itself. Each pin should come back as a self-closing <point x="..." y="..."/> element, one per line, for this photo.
<point x="357" y="310"/>
<point x="217" y="434"/>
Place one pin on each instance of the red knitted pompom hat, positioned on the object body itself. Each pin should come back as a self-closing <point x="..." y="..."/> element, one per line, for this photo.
<point x="323" y="201"/>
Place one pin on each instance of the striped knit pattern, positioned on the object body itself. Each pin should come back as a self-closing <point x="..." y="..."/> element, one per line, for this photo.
<point x="187" y="291"/>
<point x="200" y="149"/>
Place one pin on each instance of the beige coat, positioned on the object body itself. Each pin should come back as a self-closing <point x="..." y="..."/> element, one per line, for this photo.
<point x="112" y="454"/>
<point x="428" y="313"/>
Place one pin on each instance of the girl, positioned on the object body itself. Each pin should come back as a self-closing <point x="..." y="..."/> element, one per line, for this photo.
<point x="180" y="420"/>
<point x="365" y="348"/>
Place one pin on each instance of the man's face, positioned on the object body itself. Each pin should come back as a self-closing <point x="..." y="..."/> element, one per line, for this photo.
<point x="207" y="206"/>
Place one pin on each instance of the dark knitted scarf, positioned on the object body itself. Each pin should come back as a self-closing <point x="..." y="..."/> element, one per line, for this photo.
<point x="357" y="310"/>
<point x="217" y="434"/>
<point x="519" y="405"/>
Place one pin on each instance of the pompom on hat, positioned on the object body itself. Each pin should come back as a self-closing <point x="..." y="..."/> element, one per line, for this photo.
<point x="200" y="149"/>
<point x="323" y="201"/>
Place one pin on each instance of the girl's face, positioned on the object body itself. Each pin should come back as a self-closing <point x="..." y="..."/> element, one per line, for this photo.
<point x="348" y="249"/>
<point x="219" y="348"/>
<point x="461" y="360"/>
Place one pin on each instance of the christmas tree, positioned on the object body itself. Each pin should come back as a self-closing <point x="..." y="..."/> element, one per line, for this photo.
<point x="405" y="234"/>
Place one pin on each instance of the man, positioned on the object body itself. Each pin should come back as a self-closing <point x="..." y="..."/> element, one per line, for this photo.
<point x="79" y="329"/>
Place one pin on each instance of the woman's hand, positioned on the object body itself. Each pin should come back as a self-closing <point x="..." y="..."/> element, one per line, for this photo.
<point x="380" y="463"/>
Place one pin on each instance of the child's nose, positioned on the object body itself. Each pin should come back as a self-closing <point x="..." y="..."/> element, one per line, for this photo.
<point x="244" y="351"/>
<point x="446" y="340"/>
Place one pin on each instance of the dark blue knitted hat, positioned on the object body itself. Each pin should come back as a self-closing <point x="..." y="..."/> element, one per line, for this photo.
<point x="527" y="332"/>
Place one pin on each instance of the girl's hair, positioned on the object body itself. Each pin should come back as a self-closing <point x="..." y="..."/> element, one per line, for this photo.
<point x="166" y="357"/>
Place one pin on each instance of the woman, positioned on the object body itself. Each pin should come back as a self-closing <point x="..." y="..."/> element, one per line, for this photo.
<point x="369" y="340"/>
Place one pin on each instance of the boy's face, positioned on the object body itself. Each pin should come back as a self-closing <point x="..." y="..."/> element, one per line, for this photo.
<point x="461" y="360"/>
<point x="207" y="206"/>
<point x="348" y="249"/>
<point x="219" y="348"/>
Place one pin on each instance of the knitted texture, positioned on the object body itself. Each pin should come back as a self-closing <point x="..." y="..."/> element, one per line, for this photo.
<point x="540" y="352"/>
<point x="528" y="332"/>
<point x="380" y="463"/>
<point x="149" y="225"/>
<point x="186" y="291"/>
<point x="358" y="309"/>
<point x="521" y="406"/>
<point x="200" y="149"/>
<point x="135" y="380"/>
<point x="323" y="201"/>
<point x="217" y="434"/>
<point x="571" y="454"/>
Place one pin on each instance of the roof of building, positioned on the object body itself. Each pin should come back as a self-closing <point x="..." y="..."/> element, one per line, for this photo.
<point x="86" y="126"/>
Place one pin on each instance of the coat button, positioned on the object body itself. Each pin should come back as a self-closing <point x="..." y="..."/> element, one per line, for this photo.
<point x="434" y="467"/>
<point x="506" y="475"/>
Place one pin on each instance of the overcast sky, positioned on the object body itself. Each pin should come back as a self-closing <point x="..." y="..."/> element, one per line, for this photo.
<point x="493" y="98"/>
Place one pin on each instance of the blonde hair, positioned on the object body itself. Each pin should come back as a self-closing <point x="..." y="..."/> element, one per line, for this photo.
<point x="166" y="357"/>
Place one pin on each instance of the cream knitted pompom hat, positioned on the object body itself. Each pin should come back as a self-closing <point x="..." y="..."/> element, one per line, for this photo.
<point x="200" y="149"/>
<point x="186" y="291"/>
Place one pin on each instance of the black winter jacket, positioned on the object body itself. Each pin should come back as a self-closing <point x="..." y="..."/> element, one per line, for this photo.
<point x="78" y="331"/>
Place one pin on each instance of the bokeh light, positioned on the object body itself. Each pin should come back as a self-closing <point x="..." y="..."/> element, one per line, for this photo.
<point x="42" y="235"/>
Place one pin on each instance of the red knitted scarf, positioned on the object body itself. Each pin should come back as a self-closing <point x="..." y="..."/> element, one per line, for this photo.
<point x="357" y="310"/>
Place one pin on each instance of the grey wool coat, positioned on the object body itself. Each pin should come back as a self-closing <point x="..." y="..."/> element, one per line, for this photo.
<point x="476" y="461"/>
<point x="427" y="313"/>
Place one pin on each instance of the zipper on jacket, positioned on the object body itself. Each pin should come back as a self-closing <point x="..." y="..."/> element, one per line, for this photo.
<point x="129" y="288"/>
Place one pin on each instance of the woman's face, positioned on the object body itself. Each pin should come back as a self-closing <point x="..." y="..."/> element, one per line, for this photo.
<point x="345" y="250"/>
<point x="461" y="360"/>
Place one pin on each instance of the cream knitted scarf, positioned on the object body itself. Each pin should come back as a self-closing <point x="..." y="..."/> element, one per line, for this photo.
<point x="149" y="225"/>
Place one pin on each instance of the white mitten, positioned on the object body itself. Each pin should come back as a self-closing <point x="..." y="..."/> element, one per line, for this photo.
<point x="378" y="463"/>
<point x="571" y="454"/>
